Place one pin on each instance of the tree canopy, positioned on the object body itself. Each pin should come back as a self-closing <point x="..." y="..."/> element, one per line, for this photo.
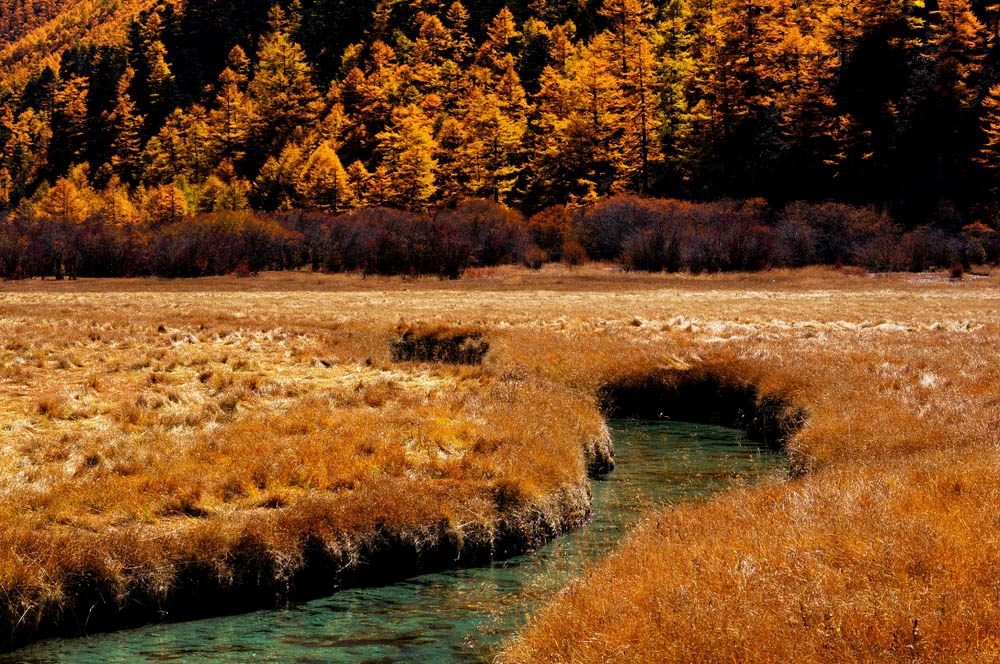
<point x="331" y="105"/>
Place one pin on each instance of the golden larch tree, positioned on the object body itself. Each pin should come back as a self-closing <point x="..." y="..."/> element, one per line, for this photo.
<point x="408" y="147"/>
<point x="323" y="183"/>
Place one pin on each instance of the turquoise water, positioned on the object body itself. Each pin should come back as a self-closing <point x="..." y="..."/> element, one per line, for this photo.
<point x="455" y="616"/>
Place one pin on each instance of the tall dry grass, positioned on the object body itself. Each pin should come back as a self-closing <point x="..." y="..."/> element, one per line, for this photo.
<point x="884" y="549"/>
<point x="153" y="447"/>
<point x="157" y="425"/>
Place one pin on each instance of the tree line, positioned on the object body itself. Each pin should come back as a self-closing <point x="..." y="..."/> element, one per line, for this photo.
<point x="638" y="233"/>
<point x="331" y="105"/>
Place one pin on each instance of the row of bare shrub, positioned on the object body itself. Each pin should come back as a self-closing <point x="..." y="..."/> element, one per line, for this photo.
<point x="391" y="242"/>
<point x="370" y="241"/>
<point x="670" y="235"/>
<point x="640" y="233"/>
<point x="192" y="247"/>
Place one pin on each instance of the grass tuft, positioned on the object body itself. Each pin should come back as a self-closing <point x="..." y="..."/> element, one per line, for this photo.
<point x="439" y="343"/>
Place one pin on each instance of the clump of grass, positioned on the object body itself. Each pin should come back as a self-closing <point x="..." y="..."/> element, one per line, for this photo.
<point x="54" y="406"/>
<point x="377" y="395"/>
<point x="15" y="345"/>
<point x="439" y="343"/>
<point x="185" y="502"/>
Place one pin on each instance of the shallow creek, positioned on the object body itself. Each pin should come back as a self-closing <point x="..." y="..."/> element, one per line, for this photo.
<point x="459" y="615"/>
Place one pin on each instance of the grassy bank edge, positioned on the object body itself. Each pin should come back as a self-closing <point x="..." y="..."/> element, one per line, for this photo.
<point x="378" y="556"/>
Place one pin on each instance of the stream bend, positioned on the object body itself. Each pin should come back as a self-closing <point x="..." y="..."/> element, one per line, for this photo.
<point x="456" y="615"/>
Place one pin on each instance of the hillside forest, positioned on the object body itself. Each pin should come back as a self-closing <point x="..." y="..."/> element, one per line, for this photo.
<point x="890" y="108"/>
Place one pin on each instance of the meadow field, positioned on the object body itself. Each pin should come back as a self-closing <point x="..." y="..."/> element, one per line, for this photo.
<point x="179" y="447"/>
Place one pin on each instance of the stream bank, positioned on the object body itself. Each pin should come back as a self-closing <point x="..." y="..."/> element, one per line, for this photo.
<point x="456" y="614"/>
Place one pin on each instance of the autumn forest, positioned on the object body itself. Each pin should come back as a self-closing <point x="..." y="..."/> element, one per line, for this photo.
<point x="154" y="112"/>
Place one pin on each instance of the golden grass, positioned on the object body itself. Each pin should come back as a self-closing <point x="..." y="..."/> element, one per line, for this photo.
<point x="146" y="435"/>
<point x="887" y="549"/>
<point x="149" y="422"/>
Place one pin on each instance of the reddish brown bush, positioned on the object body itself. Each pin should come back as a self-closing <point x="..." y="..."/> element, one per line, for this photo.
<point x="534" y="257"/>
<point x="218" y="244"/>
<point x="573" y="253"/>
<point x="549" y="229"/>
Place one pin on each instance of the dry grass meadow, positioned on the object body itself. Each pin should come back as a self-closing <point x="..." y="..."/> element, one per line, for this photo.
<point x="157" y="434"/>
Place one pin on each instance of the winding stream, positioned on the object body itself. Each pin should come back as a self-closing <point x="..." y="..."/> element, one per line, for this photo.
<point x="454" y="616"/>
